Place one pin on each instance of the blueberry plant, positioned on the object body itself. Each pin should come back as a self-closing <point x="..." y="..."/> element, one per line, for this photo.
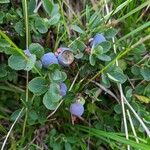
<point x="74" y="77"/>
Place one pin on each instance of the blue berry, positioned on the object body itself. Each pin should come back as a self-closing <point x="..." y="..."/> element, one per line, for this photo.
<point x="48" y="59"/>
<point x="27" y="53"/>
<point x="97" y="39"/>
<point x="63" y="89"/>
<point x="77" y="109"/>
<point x="65" y="57"/>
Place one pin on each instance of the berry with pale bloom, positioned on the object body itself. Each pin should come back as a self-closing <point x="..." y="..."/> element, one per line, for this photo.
<point x="76" y="109"/>
<point x="97" y="39"/>
<point x="48" y="59"/>
<point x="63" y="89"/>
<point x="65" y="56"/>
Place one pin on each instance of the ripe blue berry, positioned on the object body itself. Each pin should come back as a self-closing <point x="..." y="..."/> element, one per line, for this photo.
<point x="65" y="57"/>
<point x="97" y="39"/>
<point x="27" y="52"/>
<point x="48" y="59"/>
<point x="63" y="89"/>
<point x="77" y="109"/>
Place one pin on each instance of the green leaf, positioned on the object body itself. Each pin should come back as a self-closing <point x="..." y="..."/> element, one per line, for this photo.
<point x="129" y="93"/>
<point x="40" y="25"/>
<point x="78" y="46"/>
<point x="135" y="70"/>
<point x="117" y="75"/>
<point x="142" y="98"/>
<point x="67" y="146"/>
<point x="17" y="62"/>
<point x="139" y="49"/>
<point x="54" y="92"/>
<point x="122" y="64"/>
<point x="31" y="6"/>
<point x="98" y="51"/>
<point x="55" y="9"/>
<point x="110" y="33"/>
<point x="8" y="50"/>
<point x="56" y="146"/>
<point x="54" y="20"/>
<point x="38" y="85"/>
<point x="37" y="49"/>
<point x="145" y="72"/>
<point x="92" y="60"/>
<point x="19" y="13"/>
<point x="77" y="29"/>
<point x="118" y="109"/>
<point x="79" y="55"/>
<point x="104" y="57"/>
<point x="48" y="6"/>
<point x="33" y="115"/>
<point x="3" y="71"/>
<point x="42" y="113"/>
<point x="19" y="28"/>
<point x="52" y="97"/>
<point x="112" y="78"/>
<point x="30" y="64"/>
<point x="105" y="81"/>
<point x="4" y="43"/>
<point x="58" y="76"/>
<point x="106" y="46"/>
<point x="49" y="104"/>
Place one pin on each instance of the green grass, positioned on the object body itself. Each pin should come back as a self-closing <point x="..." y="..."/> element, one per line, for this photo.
<point x="25" y="121"/>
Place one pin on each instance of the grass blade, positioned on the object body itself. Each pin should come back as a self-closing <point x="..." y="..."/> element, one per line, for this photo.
<point x="135" y="31"/>
<point x="120" y="7"/>
<point x="134" y="11"/>
<point x="113" y="136"/>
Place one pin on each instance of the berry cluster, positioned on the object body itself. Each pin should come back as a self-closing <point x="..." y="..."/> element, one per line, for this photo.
<point x="65" y="57"/>
<point x="62" y="56"/>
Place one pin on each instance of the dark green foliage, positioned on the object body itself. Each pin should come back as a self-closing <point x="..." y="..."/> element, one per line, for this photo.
<point x="97" y="78"/>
